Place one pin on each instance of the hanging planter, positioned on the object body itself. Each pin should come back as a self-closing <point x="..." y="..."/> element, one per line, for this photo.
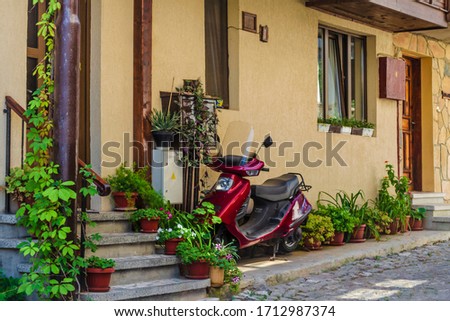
<point x="163" y="138"/>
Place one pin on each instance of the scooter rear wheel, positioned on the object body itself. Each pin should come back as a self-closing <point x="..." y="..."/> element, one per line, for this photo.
<point x="290" y="242"/>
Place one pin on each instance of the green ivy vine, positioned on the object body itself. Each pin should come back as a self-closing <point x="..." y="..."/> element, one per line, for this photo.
<point x="55" y="261"/>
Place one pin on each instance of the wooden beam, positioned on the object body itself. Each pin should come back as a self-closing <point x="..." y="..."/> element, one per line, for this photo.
<point x="142" y="92"/>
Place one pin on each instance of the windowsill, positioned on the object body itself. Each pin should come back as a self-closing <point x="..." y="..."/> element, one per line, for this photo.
<point x="326" y="128"/>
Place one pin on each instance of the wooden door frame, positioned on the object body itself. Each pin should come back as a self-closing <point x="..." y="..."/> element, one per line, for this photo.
<point x="416" y="102"/>
<point x="142" y="80"/>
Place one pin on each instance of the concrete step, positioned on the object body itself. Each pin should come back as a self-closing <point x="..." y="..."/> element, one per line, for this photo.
<point x="438" y="210"/>
<point x="125" y="244"/>
<point x="423" y="198"/>
<point x="10" y="257"/>
<point x="136" y="269"/>
<point x="436" y="223"/>
<point x="145" y="268"/>
<point x="108" y="222"/>
<point x="9" y="228"/>
<point x="174" y="289"/>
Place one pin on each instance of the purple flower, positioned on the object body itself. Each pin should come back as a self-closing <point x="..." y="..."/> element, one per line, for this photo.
<point x="229" y="256"/>
<point x="236" y="279"/>
<point x="169" y="216"/>
<point x="218" y="246"/>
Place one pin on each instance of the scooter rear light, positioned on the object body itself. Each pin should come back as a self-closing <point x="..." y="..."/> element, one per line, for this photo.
<point x="224" y="184"/>
<point x="252" y="173"/>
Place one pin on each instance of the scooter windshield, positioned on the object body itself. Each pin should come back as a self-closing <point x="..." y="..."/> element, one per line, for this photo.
<point x="239" y="141"/>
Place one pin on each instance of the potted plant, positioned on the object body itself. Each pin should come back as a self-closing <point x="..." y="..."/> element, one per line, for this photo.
<point x="343" y="211"/>
<point x="222" y="262"/>
<point x="99" y="271"/>
<point x="197" y="250"/>
<point x="318" y="229"/>
<point x="196" y="258"/>
<point x="323" y="125"/>
<point x="346" y="126"/>
<point x="164" y="126"/>
<point x="124" y="188"/>
<point x="147" y="219"/>
<point x="335" y="124"/>
<point x="398" y="206"/>
<point x="368" y="129"/>
<point x="417" y="217"/>
<point x="377" y="222"/>
<point x="173" y="230"/>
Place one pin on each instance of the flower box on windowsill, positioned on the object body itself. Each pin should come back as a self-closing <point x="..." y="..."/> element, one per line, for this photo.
<point x="368" y="132"/>
<point x="346" y="130"/>
<point x="324" y="128"/>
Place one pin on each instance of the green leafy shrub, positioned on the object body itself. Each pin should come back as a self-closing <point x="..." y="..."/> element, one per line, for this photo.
<point x="9" y="287"/>
<point x="99" y="262"/>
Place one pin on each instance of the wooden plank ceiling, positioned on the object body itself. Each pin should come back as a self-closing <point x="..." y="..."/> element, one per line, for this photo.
<point x="389" y="15"/>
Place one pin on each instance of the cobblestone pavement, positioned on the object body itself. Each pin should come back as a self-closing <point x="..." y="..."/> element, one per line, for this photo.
<point x="420" y="274"/>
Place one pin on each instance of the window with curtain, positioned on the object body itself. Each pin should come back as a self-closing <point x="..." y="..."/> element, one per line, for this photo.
<point x="341" y="75"/>
<point x="216" y="46"/>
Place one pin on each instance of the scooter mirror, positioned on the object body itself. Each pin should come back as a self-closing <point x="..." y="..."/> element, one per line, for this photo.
<point x="267" y="142"/>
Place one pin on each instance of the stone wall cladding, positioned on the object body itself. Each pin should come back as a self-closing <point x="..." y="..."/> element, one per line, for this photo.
<point x="439" y="51"/>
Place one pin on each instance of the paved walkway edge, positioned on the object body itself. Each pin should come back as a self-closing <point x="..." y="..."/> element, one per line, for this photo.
<point x="260" y="272"/>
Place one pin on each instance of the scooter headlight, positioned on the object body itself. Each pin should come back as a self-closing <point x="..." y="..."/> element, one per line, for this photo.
<point x="224" y="184"/>
<point x="253" y="172"/>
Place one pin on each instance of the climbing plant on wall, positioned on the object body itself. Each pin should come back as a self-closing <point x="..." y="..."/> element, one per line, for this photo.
<point x="55" y="262"/>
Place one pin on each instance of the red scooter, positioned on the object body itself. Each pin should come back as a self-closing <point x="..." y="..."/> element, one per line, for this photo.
<point x="267" y="214"/>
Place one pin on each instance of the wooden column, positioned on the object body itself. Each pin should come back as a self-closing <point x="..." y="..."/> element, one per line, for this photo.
<point x="142" y="95"/>
<point x="67" y="93"/>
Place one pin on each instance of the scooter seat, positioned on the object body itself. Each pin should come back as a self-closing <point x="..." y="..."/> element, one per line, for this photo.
<point x="277" y="189"/>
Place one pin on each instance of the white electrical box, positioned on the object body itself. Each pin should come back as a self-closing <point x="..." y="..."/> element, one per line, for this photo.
<point x="167" y="174"/>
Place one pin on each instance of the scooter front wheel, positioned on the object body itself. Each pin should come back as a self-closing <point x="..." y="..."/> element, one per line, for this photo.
<point x="290" y="242"/>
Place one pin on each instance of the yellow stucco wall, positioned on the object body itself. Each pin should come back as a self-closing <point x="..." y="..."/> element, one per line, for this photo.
<point x="274" y="85"/>
<point x="111" y="83"/>
<point x="13" y="53"/>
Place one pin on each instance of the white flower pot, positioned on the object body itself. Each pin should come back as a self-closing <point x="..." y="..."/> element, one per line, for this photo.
<point x="346" y="130"/>
<point x="324" y="128"/>
<point x="368" y="132"/>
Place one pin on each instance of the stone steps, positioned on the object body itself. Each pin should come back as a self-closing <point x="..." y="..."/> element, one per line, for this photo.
<point x="437" y="212"/>
<point x="423" y="198"/>
<point x="174" y="289"/>
<point x="11" y="236"/>
<point x="108" y="222"/>
<point x="125" y="244"/>
<point x="142" y="271"/>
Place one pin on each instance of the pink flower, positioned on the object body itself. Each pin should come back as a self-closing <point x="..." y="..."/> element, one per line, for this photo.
<point x="218" y="246"/>
<point x="169" y="216"/>
<point x="229" y="256"/>
<point x="236" y="279"/>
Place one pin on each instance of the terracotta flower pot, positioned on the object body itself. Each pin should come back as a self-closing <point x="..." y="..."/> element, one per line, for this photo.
<point x="149" y="225"/>
<point x="405" y="224"/>
<point x="170" y="246"/>
<point x="122" y="203"/>
<point x="338" y="239"/>
<point x="197" y="270"/>
<point x="98" y="280"/>
<point x="315" y="245"/>
<point x="393" y="227"/>
<point x="358" y="234"/>
<point x="217" y="276"/>
<point x="416" y="225"/>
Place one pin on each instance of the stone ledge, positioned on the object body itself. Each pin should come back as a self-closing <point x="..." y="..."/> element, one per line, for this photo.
<point x="424" y="195"/>
<point x="435" y="207"/>
<point x="126" y="238"/>
<point x="8" y="219"/>
<point x="108" y="216"/>
<point x="147" y="261"/>
<point x="147" y="289"/>
<point x="10" y="243"/>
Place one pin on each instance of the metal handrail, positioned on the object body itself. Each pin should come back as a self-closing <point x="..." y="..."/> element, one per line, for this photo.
<point x="103" y="188"/>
